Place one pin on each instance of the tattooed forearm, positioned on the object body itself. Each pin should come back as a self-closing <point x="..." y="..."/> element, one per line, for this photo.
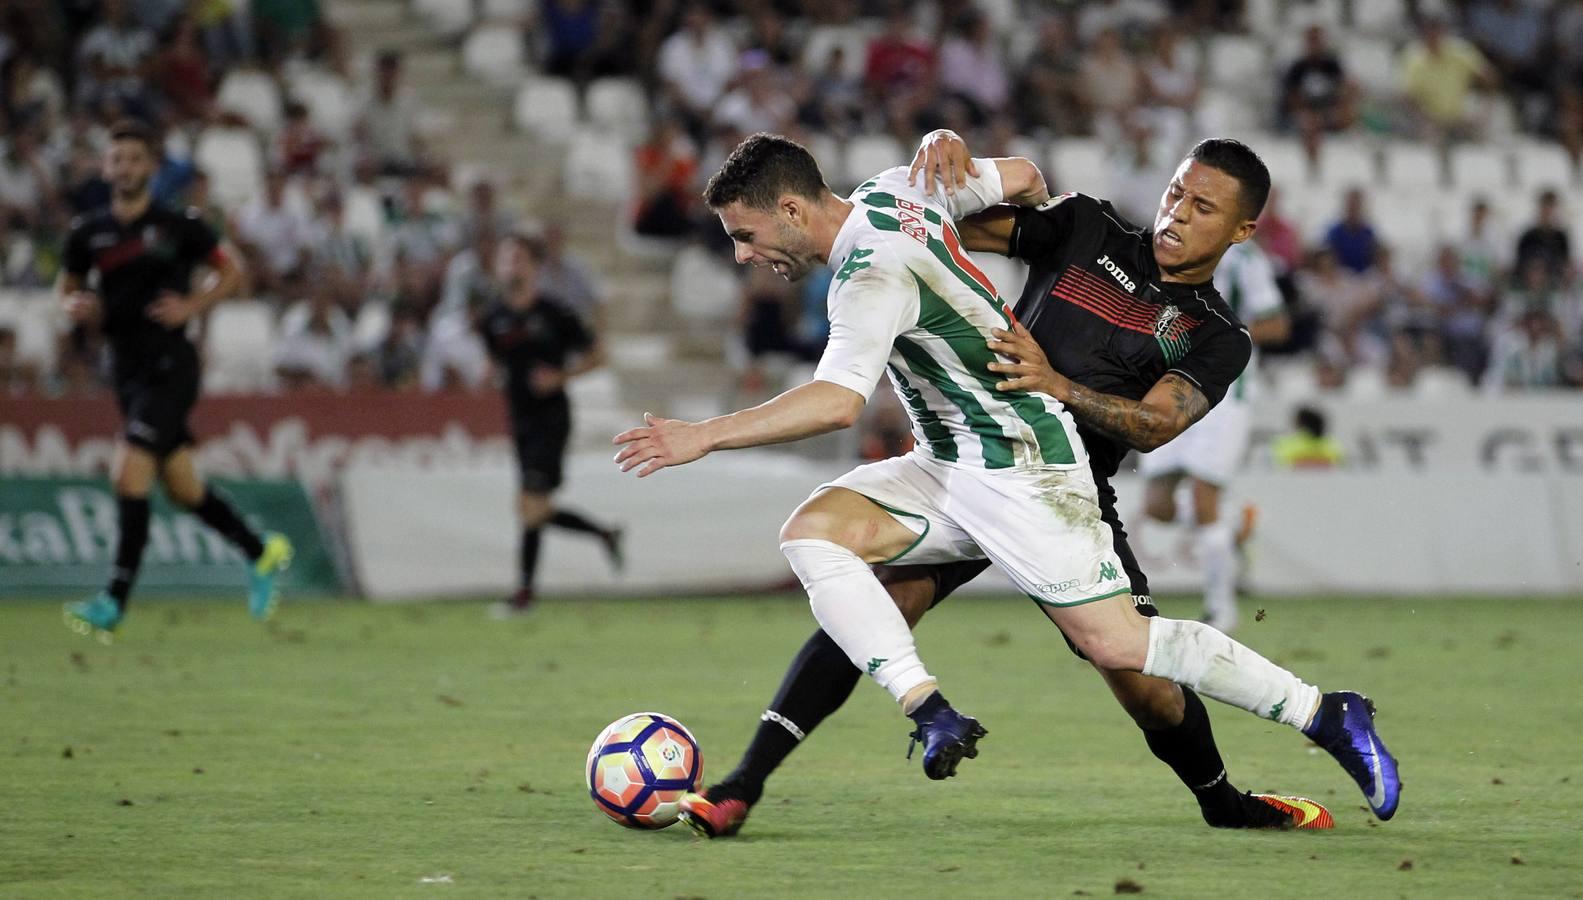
<point x="1170" y="406"/>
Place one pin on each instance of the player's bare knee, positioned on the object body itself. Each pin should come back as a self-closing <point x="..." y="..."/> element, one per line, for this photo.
<point x="1206" y="503"/>
<point x="185" y="496"/>
<point x="1115" y="649"/>
<point x="534" y="510"/>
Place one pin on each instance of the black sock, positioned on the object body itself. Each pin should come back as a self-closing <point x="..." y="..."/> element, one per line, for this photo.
<point x="221" y="516"/>
<point x="576" y="522"/>
<point x="926" y="710"/>
<point x="528" y="556"/>
<point x="132" y="517"/>
<point x="816" y="683"/>
<point x="1189" y="749"/>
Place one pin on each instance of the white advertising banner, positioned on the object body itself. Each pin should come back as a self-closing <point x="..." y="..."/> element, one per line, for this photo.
<point x="712" y="527"/>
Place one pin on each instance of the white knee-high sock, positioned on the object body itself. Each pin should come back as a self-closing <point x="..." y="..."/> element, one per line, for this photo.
<point x="853" y="608"/>
<point x="1209" y="662"/>
<point x="1217" y="553"/>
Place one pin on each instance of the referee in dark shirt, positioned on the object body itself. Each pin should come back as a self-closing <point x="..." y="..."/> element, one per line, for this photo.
<point x="127" y="271"/>
<point x="539" y="344"/>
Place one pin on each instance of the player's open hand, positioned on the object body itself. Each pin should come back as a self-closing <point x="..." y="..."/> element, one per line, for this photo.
<point x="83" y="307"/>
<point x="1030" y="369"/>
<point x="173" y="310"/>
<point x="659" y="443"/>
<point x="942" y="155"/>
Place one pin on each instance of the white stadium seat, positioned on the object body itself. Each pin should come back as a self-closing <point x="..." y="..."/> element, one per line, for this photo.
<point x="547" y="109"/>
<point x="830" y="156"/>
<point x="254" y="96"/>
<point x="1264" y="17"/>
<point x="35" y="317"/>
<point x="494" y="53"/>
<point x="1412" y="165"/>
<point x="1372" y="61"/>
<point x="598" y="166"/>
<point x="449" y="17"/>
<point x="1381" y="18"/>
<point x="1238" y="63"/>
<point x="1288" y="164"/>
<point x="868" y="155"/>
<point x="332" y="108"/>
<point x="234" y="162"/>
<point x="1079" y="164"/>
<point x="1345" y="163"/>
<point x="1540" y="165"/>
<point x="618" y="104"/>
<point x="507" y="10"/>
<point x="704" y="291"/>
<point x="239" y="346"/>
<point x="1480" y="167"/>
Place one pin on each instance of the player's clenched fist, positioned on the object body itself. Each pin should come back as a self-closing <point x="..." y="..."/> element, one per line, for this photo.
<point x="83" y="307"/>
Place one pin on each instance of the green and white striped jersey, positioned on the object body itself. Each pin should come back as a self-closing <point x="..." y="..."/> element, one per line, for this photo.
<point x="907" y="299"/>
<point x="1245" y="278"/>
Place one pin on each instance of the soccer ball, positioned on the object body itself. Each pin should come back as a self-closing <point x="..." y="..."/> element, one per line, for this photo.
<point x="640" y="766"/>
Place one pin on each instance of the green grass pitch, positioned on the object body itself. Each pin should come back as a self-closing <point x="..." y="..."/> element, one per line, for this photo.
<point x="350" y="750"/>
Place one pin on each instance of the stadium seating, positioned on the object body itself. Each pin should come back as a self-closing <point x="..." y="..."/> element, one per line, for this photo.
<point x="494" y="53"/>
<point x="703" y="291"/>
<point x="506" y="10"/>
<point x="1346" y="163"/>
<point x="332" y="108"/>
<point x="35" y="317"/>
<point x="1477" y="167"/>
<point x="1543" y="165"/>
<point x="546" y="108"/>
<point x="619" y="105"/>
<point x="1238" y="63"/>
<point x="852" y="39"/>
<point x="1079" y="164"/>
<point x="598" y="166"/>
<point x="867" y="155"/>
<point x="235" y="164"/>
<point x="254" y="96"/>
<point x="239" y="345"/>
<point x="451" y="18"/>
<point x="1412" y="165"/>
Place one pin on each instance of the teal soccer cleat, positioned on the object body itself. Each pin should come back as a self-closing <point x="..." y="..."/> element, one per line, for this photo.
<point x="261" y="595"/>
<point x="97" y="617"/>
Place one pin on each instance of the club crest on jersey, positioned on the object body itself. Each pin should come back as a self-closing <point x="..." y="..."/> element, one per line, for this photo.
<point x="1171" y="331"/>
<point x="1116" y="273"/>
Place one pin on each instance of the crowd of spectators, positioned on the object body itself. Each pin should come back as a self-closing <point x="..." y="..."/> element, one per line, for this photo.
<point x="372" y="259"/>
<point x="1134" y="75"/>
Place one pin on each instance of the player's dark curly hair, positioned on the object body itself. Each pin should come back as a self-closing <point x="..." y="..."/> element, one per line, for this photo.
<point x="1240" y="162"/>
<point x="760" y="170"/>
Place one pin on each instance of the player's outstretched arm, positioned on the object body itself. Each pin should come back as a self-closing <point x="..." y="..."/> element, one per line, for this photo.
<point x="804" y="411"/>
<point x="1165" y="411"/>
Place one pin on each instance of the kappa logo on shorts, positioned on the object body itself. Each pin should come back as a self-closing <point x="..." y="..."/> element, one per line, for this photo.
<point x="1058" y="588"/>
<point x="1107" y="572"/>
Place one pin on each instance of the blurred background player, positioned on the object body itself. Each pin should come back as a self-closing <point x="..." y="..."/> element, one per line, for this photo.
<point x="540" y="344"/>
<point x="139" y="258"/>
<point x="1307" y="446"/>
<point x="1208" y="454"/>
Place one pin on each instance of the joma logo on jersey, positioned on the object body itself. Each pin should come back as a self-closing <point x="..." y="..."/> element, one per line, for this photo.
<point x="1116" y="273"/>
<point x="911" y="216"/>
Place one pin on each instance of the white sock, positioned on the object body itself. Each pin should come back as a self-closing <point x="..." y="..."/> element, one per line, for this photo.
<point x="853" y="608"/>
<point x="1217" y="553"/>
<point x="1209" y="662"/>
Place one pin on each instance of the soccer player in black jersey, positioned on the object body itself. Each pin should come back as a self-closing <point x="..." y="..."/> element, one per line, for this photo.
<point x="540" y="344"/>
<point x="127" y="270"/>
<point x="1124" y="327"/>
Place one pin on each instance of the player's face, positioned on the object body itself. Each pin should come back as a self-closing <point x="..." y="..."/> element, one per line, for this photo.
<point x="769" y="238"/>
<point x="128" y="166"/>
<point x="1200" y="216"/>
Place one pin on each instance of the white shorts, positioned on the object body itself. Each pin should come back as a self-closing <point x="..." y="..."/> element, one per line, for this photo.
<point x="1210" y="450"/>
<point x="1041" y="525"/>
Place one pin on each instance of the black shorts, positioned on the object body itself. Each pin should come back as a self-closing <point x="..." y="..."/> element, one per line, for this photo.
<point x="950" y="576"/>
<point x="155" y="407"/>
<point x="541" y="435"/>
